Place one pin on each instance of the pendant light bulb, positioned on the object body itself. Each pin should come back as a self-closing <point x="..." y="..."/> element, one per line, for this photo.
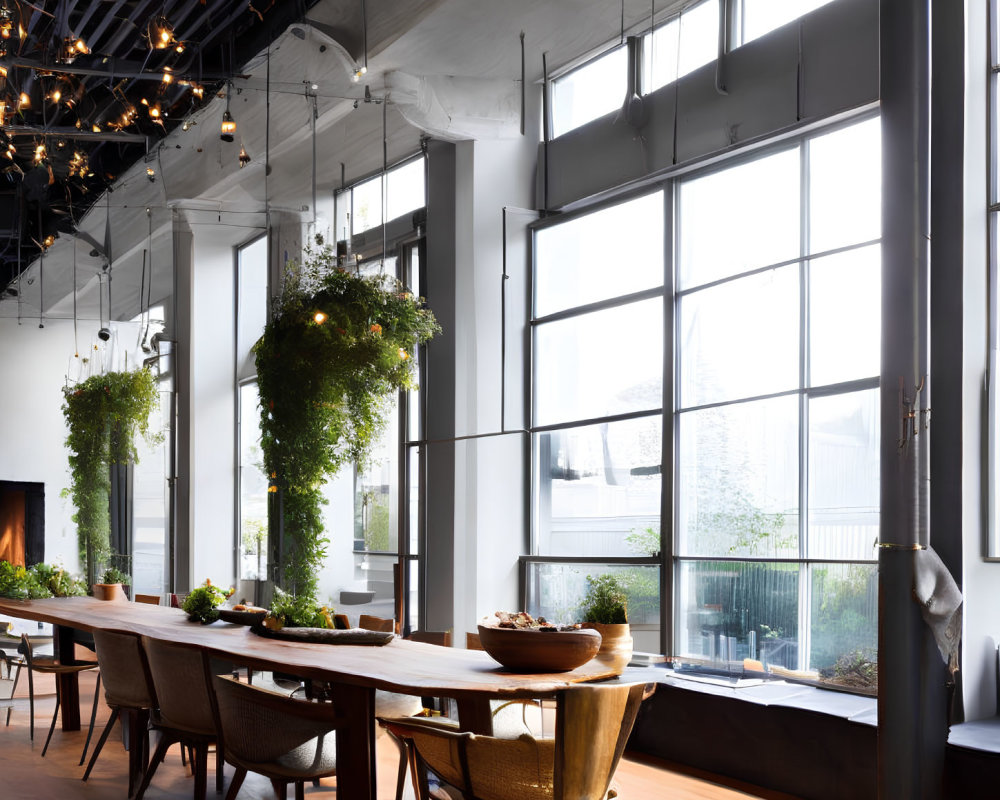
<point x="228" y="127"/>
<point x="244" y="156"/>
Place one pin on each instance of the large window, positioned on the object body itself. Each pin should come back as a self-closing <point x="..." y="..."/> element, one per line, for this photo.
<point x="777" y="480"/>
<point x="770" y="297"/>
<point x="251" y="316"/>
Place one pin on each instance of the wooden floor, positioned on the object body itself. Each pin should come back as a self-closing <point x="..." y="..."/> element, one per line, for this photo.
<point x="25" y="775"/>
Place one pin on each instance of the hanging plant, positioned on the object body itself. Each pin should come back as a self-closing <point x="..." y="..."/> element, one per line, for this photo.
<point x="337" y="348"/>
<point x="105" y="414"/>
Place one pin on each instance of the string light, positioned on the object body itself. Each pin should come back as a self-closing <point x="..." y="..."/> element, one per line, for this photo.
<point x="244" y="156"/>
<point x="160" y="33"/>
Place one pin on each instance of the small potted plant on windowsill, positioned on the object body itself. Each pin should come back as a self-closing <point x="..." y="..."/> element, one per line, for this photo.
<point x="605" y="609"/>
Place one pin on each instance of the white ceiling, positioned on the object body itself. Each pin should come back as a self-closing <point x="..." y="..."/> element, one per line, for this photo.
<point x="197" y="176"/>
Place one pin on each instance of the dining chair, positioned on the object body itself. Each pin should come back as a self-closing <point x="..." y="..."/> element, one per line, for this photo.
<point x="151" y="599"/>
<point x="593" y="722"/>
<point x="128" y="691"/>
<point x="372" y="623"/>
<point x="49" y="665"/>
<point x="284" y="739"/>
<point x="184" y="711"/>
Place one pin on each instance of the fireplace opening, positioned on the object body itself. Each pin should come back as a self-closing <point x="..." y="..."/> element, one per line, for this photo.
<point x="22" y="522"/>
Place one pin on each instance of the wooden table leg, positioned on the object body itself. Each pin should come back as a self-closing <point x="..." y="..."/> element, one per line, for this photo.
<point x="475" y="715"/>
<point x="69" y="684"/>
<point x="355" y="707"/>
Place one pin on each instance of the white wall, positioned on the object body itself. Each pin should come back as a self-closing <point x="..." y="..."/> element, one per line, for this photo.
<point x="980" y="579"/>
<point x="490" y="474"/>
<point x="212" y="408"/>
<point x="35" y="363"/>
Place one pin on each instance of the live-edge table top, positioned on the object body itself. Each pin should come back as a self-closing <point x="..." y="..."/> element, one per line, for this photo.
<point x="402" y="666"/>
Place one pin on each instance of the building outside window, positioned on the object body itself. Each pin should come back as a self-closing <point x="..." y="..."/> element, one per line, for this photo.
<point x="734" y="355"/>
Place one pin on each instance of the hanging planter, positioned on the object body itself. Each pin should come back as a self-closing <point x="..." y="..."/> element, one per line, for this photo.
<point x="104" y="414"/>
<point x="337" y="348"/>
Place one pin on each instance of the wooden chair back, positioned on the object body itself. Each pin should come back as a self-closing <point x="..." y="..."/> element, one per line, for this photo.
<point x="151" y="599"/>
<point x="373" y="623"/>
<point x="440" y="638"/>
<point x="593" y="723"/>
<point x="472" y="641"/>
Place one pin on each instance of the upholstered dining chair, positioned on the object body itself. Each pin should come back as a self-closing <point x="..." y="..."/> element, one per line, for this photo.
<point x="184" y="710"/>
<point x="128" y="691"/>
<point x="49" y="665"/>
<point x="593" y="723"/>
<point x="279" y="737"/>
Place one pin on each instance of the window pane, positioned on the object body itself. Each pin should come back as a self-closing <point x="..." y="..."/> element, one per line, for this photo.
<point x="738" y="480"/>
<point x="253" y="489"/>
<point x="844" y="475"/>
<point x="763" y="16"/>
<point x="251" y="311"/>
<point x="555" y="591"/>
<point x="659" y="56"/>
<point x="404" y="191"/>
<point x="842" y="347"/>
<point x="699" y="37"/>
<point x="366" y="203"/>
<point x="571" y="264"/>
<point x="597" y="489"/>
<point x="740" y="338"/>
<point x="845" y="187"/>
<point x="376" y="499"/>
<point x="844" y="623"/>
<point x="598" y="364"/>
<point x="756" y="205"/>
<point x="736" y="610"/>
<point x="665" y="58"/>
<point x="589" y="92"/>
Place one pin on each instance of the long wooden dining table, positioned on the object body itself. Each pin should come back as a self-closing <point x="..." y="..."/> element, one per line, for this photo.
<point x="354" y="672"/>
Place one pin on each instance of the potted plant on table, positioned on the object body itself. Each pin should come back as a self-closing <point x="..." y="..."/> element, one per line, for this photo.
<point x="605" y="608"/>
<point x="112" y="585"/>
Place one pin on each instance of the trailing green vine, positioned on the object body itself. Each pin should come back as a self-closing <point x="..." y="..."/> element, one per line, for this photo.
<point x="337" y="347"/>
<point x="104" y="414"/>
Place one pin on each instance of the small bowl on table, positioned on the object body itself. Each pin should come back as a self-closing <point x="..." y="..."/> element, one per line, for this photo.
<point x="533" y="650"/>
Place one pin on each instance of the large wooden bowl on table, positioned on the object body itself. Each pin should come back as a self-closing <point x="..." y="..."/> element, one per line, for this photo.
<point x="531" y="650"/>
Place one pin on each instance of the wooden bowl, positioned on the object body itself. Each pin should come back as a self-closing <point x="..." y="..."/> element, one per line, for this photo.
<point x="527" y="650"/>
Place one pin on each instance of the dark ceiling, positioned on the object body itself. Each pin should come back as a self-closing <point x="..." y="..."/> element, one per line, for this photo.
<point x="85" y="79"/>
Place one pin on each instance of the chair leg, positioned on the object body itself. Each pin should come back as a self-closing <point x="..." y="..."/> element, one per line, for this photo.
<point x="100" y="742"/>
<point x="280" y="789"/>
<point x="220" y="767"/>
<point x="200" y="753"/>
<point x="13" y="688"/>
<point x="234" y="786"/>
<point x="31" y="704"/>
<point x="52" y="727"/>
<point x="159" y="753"/>
<point x="401" y="773"/>
<point x="93" y="716"/>
<point x="300" y="790"/>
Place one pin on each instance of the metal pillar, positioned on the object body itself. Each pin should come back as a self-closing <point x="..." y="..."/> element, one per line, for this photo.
<point x="908" y="762"/>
